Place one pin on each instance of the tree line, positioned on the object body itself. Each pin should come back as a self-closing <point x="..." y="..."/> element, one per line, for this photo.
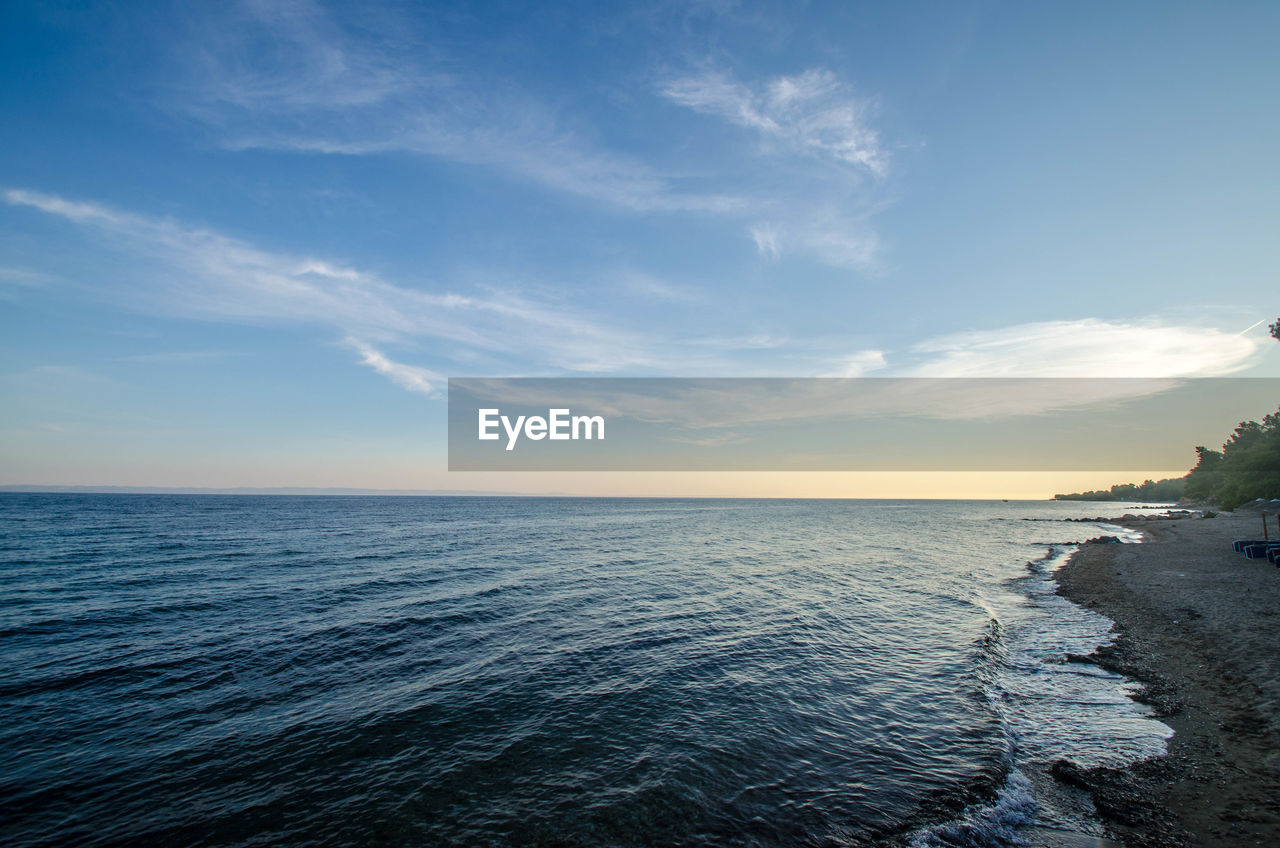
<point x="1164" y="491"/>
<point x="1247" y="468"/>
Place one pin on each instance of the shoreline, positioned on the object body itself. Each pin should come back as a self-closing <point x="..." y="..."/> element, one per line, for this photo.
<point x="1199" y="627"/>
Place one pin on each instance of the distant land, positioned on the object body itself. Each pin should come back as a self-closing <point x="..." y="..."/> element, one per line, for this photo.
<point x="1166" y="491"/>
<point x="280" y="490"/>
<point x="1247" y="468"/>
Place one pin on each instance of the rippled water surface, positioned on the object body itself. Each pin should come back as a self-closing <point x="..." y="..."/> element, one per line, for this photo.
<point x="237" y="670"/>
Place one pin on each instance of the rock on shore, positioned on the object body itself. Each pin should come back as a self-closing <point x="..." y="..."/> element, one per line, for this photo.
<point x="1200" y="626"/>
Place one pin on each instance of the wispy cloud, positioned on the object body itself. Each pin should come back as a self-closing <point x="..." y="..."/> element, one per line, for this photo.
<point x="755" y="341"/>
<point x="288" y="56"/>
<point x="13" y="281"/>
<point x="821" y="209"/>
<point x="812" y="113"/>
<point x="526" y="143"/>
<point x="21" y="277"/>
<point x="411" y="377"/>
<point x="289" y="76"/>
<point x="766" y="239"/>
<point x="45" y="375"/>
<point x="835" y="238"/>
<point x="829" y="235"/>
<point x="859" y="364"/>
<point x="71" y="210"/>
<point x="650" y="286"/>
<point x="197" y="272"/>
<point x="1085" y="348"/>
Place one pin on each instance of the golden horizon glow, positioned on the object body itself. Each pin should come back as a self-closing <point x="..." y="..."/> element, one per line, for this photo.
<point x="992" y="485"/>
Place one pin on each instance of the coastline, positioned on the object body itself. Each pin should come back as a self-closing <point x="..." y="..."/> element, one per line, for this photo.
<point x="1199" y="626"/>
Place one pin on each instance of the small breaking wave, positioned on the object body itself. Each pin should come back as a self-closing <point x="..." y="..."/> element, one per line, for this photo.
<point x="995" y="825"/>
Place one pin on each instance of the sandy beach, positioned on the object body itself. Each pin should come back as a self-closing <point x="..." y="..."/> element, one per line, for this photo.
<point x="1200" y="626"/>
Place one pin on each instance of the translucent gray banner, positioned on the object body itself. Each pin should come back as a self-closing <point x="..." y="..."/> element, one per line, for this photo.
<point x="864" y="424"/>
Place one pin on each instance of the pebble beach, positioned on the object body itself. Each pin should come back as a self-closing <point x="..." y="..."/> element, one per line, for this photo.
<point x="1199" y="626"/>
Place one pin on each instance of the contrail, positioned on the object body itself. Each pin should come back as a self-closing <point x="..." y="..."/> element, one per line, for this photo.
<point x="1251" y="326"/>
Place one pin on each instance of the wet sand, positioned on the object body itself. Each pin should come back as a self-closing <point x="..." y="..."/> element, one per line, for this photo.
<point x="1200" y="626"/>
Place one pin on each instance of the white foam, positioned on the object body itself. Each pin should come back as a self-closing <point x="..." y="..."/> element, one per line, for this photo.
<point x="984" y="825"/>
<point x="1051" y="707"/>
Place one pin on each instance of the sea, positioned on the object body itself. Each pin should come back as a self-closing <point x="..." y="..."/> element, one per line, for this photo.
<point x="486" y="671"/>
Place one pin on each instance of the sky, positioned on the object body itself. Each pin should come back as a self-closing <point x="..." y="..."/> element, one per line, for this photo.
<point x="246" y="244"/>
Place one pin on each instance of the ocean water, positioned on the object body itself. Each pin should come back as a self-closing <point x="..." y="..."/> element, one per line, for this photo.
<point x="208" y="670"/>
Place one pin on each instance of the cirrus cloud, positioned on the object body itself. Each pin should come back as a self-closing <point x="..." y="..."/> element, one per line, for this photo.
<point x="812" y="113"/>
<point x="1088" y="347"/>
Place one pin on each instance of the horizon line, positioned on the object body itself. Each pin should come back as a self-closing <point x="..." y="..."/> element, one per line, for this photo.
<point x="345" y="491"/>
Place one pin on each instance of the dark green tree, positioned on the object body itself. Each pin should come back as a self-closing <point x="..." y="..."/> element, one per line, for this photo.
<point x="1250" y="466"/>
<point x="1247" y="468"/>
<point x="1206" y="477"/>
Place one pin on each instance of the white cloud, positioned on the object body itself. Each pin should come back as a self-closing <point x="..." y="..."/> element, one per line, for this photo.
<point x="649" y="286"/>
<point x="198" y="272"/>
<point x="766" y="239"/>
<point x="411" y="377"/>
<point x="286" y="56"/>
<point x="15" y="280"/>
<point x="821" y="209"/>
<point x="838" y="241"/>
<point x="1086" y="348"/>
<point x="858" y="364"/>
<point x="755" y="341"/>
<point x="1027" y="370"/>
<point x="21" y="276"/>
<point x="812" y="113"/>
<point x="1056" y="365"/>
<point x="290" y="75"/>
<point x="79" y="212"/>
<point x="827" y="235"/>
<point x="530" y="147"/>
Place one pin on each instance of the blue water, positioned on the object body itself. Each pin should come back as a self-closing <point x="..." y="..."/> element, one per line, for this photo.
<point x="209" y="670"/>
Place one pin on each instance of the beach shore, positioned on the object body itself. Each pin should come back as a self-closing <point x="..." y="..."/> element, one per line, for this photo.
<point x="1200" y="627"/>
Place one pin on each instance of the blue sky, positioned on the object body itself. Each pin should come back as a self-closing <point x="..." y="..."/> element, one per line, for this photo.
<point x="243" y="244"/>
